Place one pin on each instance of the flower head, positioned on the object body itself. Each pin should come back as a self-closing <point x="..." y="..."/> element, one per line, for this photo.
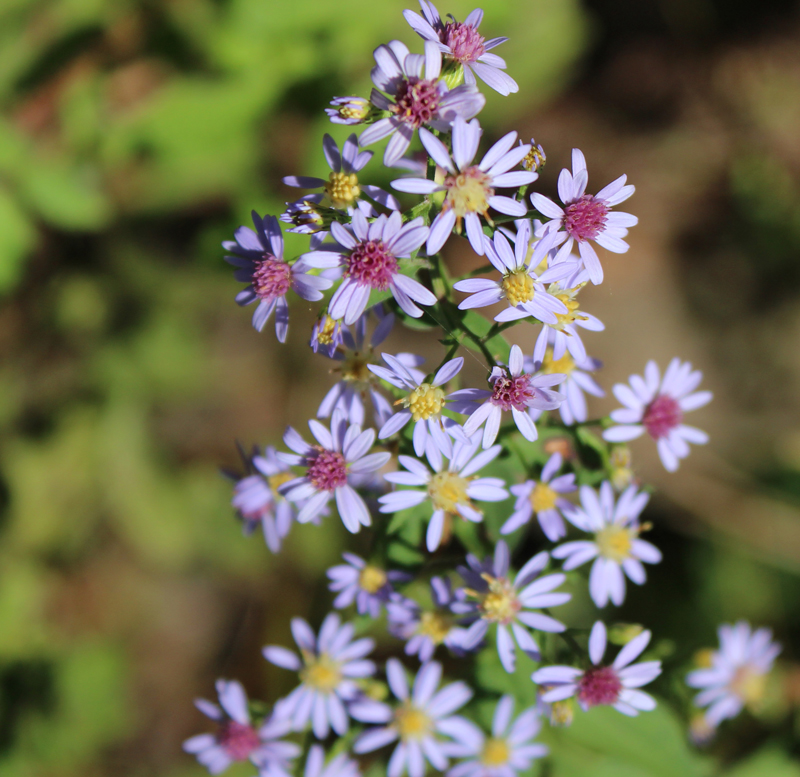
<point x="350" y="110"/>
<point x="615" y="684"/>
<point x="657" y="406"/>
<point x="339" y="766"/>
<point x="368" y="585"/>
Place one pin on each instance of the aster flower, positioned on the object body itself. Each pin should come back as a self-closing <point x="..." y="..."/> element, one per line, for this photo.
<point x="509" y="603"/>
<point x="425" y="629"/>
<point x="367" y="585"/>
<point x="536" y="158"/>
<point x="586" y="217"/>
<point x="350" y="110"/>
<point x="418" y="722"/>
<point x="738" y="672"/>
<point x="339" y="766"/>
<point x="327" y="335"/>
<point x="520" y="286"/>
<point x="342" y="189"/>
<point x="424" y="403"/>
<point x="340" y="454"/>
<point x="657" y="406"/>
<point x="470" y="189"/>
<point x="415" y="100"/>
<point x="257" y="500"/>
<point x="615" y="684"/>
<point x="460" y="42"/>
<point x="369" y="253"/>
<point x="258" y="255"/>
<point x="238" y="738"/>
<point x="616" y="547"/>
<point x="327" y="667"/>
<point x="543" y="499"/>
<point x="450" y="490"/>
<point x="512" y="389"/>
<point x="508" y="750"/>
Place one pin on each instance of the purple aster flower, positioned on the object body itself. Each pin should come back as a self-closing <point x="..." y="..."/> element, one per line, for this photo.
<point x="586" y="217"/>
<point x="339" y="766"/>
<point x="342" y="190"/>
<point x="509" y="602"/>
<point x="470" y="189"/>
<point x="520" y="286"/>
<point x="350" y="110"/>
<point x="460" y="42"/>
<point x="367" y="585"/>
<point x="420" y="720"/>
<point x="238" y="738"/>
<point x="616" y="547"/>
<point x="327" y="335"/>
<point x="450" y="490"/>
<point x="257" y="500"/>
<point x="536" y="158"/>
<point x="508" y="750"/>
<point x="327" y="667"/>
<point x="416" y="100"/>
<point x="615" y="684"/>
<point x="424" y="403"/>
<point x="738" y="672"/>
<point x="260" y="263"/>
<point x="340" y="455"/>
<point x="425" y="629"/>
<point x="543" y="499"/>
<point x="657" y="406"/>
<point x="369" y="253"/>
<point x="512" y="389"/>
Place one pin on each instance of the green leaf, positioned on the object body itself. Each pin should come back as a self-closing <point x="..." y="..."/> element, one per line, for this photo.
<point x="17" y="238"/>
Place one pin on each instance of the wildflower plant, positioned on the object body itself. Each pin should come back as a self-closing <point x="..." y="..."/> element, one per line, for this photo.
<point x="429" y="476"/>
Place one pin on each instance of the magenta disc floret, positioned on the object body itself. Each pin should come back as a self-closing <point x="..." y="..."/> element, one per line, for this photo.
<point x="371" y="264"/>
<point x="271" y="278"/>
<point x="512" y="392"/>
<point x="599" y="685"/>
<point x="238" y="740"/>
<point x="464" y="41"/>
<point x="585" y="218"/>
<point x="417" y="101"/>
<point x="328" y="470"/>
<point x="661" y="416"/>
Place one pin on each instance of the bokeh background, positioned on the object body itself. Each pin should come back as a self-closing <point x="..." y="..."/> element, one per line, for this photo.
<point x="135" y="136"/>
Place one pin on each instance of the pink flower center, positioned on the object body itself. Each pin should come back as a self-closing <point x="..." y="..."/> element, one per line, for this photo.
<point x="271" y="278"/>
<point x="464" y="41"/>
<point x="417" y="101"/>
<point x="512" y="392"/>
<point x="661" y="416"/>
<point x="599" y="685"/>
<point x="372" y="265"/>
<point x="585" y="218"/>
<point x="238" y="740"/>
<point x="328" y="470"/>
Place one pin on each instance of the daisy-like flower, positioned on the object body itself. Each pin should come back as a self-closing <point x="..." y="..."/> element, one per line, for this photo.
<point x="657" y="406"/>
<point x="340" y="454"/>
<point x="461" y="43"/>
<point x="543" y="499"/>
<point x="520" y="286"/>
<point x="424" y="403"/>
<point x="737" y="675"/>
<point x="512" y="389"/>
<point x="420" y="720"/>
<point x="350" y="110"/>
<point x="615" y="684"/>
<point x="258" y="257"/>
<point x="536" y="158"/>
<point x="368" y="585"/>
<point x="257" y="500"/>
<point x="425" y="629"/>
<point x="508" y="750"/>
<point x="342" y="189"/>
<point x="327" y="666"/>
<point x="470" y="189"/>
<point x="238" y="738"/>
<point x="339" y="766"/>
<point x="616" y="547"/>
<point x="564" y="334"/>
<point x="327" y="335"/>
<point x="586" y="217"/>
<point x="369" y="253"/>
<point x="450" y="490"/>
<point x="415" y="99"/>
<point x="509" y="603"/>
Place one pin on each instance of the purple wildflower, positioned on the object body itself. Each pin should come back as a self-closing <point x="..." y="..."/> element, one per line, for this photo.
<point x="367" y="585"/>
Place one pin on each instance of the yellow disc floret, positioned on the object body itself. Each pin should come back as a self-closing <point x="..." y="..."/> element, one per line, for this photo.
<point x="615" y="542"/>
<point x="468" y="192"/>
<point x="435" y="625"/>
<point x="276" y="481"/>
<point x="496" y="752"/>
<point x="371" y="579"/>
<point x="354" y="369"/>
<point x="326" y="329"/>
<point x="500" y="603"/>
<point x="321" y="673"/>
<point x="543" y="498"/>
<point x="412" y="723"/>
<point x="518" y="287"/>
<point x="749" y="685"/>
<point x="446" y="490"/>
<point x="550" y="366"/>
<point x="424" y="402"/>
<point x="342" y="189"/>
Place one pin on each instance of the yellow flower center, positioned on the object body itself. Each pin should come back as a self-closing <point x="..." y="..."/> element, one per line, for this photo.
<point x="447" y="490"/>
<point x="749" y="685"/>
<point x="435" y="625"/>
<point x="371" y="579"/>
<point x="534" y="160"/>
<point x="342" y="189"/>
<point x="353" y="112"/>
<point x="412" y="723"/>
<point x="571" y="315"/>
<point x="499" y="604"/>
<point x="543" y="498"/>
<point x="518" y="287"/>
<point x="424" y="401"/>
<point x="562" y="713"/>
<point x="615" y="542"/>
<point x="551" y="366"/>
<point x="321" y="673"/>
<point x="496" y="752"/>
<point x="276" y="481"/>
<point x="468" y="192"/>
<point x="354" y="369"/>
<point x="325" y="334"/>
